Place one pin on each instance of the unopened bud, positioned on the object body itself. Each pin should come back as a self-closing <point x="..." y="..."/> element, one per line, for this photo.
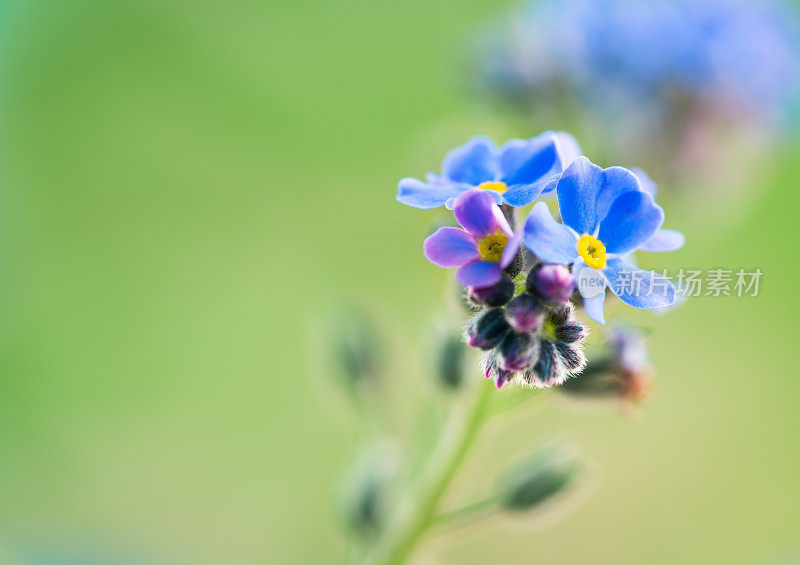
<point x="450" y="357"/>
<point x="495" y="295"/>
<point x="525" y="313"/>
<point x="491" y="370"/>
<point x="570" y="332"/>
<point x="551" y="282"/>
<point x="487" y="329"/>
<point x="502" y="377"/>
<point x="366" y="489"/>
<point x="538" y="479"/>
<point x="357" y="350"/>
<point x="572" y="356"/>
<point x="545" y="371"/>
<point x="517" y="351"/>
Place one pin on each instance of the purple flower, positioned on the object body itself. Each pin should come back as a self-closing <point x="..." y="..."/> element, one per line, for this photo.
<point x="482" y="249"/>
<point x="515" y="174"/>
<point x="606" y="216"/>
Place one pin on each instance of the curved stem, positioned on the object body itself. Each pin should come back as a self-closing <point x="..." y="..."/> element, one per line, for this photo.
<point x="416" y="510"/>
<point x="467" y="514"/>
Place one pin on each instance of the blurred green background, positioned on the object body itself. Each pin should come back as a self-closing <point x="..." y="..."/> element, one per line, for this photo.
<point x="188" y="186"/>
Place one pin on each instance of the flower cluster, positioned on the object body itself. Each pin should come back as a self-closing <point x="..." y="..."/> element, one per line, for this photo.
<point x="718" y="79"/>
<point x="539" y="355"/>
<point x="735" y="53"/>
<point x="523" y="282"/>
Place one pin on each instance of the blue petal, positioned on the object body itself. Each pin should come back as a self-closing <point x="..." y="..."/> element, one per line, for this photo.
<point x="477" y="213"/>
<point x="479" y="274"/>
<point x="663" y="240"/>
<point x="414" y="192"/>
<point x="591" y="285"/>
<point x="527" y="161"/>
<point x="551" y="185"/>
<point x="637" y="287"/>
<point x="522" y="195"/>
<point x="472" y="163"/>
<point x="618" y="181"/>
<point x="577" y="195"/>
<point x="567" y="149"/>
<point x="645" y="182"/>
<point x="550" y="241"/>
<point x="632" y="219"/>
<point x="594" y="307"/>
<point x="531" y="167"/>
<point x="450" y="247"/>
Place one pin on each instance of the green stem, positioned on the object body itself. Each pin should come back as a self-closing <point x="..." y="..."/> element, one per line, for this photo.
<point x="416" y="510"/>
<point x="465" y="514"/>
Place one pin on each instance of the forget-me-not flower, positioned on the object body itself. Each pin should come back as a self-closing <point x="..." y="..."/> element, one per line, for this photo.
<point x="606" y="216"/>
<point x="482" y="249"/>
<point x="515" y="174"/>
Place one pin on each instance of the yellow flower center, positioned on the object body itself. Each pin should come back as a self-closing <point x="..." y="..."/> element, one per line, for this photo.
<point x="492" y="185"/>
<point x="491" y="248"/>
<point x="593" y="251"/>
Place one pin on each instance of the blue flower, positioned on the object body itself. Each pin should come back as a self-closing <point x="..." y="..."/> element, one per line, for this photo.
<point x="515" y="174"/>
<point x="615" y="56"/>
<point x="606" y="216"/>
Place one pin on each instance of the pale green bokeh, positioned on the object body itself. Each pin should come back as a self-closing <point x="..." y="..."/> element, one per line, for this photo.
<point x="187" y="185"/>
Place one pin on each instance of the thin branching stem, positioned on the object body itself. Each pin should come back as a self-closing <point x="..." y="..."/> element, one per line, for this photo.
<point x="416" y="510"/>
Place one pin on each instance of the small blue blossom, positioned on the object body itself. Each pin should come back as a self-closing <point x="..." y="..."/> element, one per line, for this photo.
<point x="515" y="174"/>
<point x="606" y="216"/>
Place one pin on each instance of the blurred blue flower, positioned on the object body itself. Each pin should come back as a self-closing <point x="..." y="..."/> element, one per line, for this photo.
<point x="482" y="249"/>
<point x="515" y="174"/>
<point x="738" y="56"/>
<point x="629" y="347"/>
<point x="606" y="217"/>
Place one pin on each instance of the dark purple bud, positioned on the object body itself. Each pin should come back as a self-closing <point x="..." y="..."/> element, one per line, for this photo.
<point x="495" y="295"/>
<point x="517" y="351"/>
<point x="487" y="329"/>
<point x="571" y="332"/>
<point x="525" y="313"/>
<point x="551" y="282"/>
<point x="545" y="370"/>
<point x="562" y="314"/>
<point x="489" y="364"/>
<point x="492" y="371"/>
<point x="501" y="377"/>
<point x="572" y="356"/>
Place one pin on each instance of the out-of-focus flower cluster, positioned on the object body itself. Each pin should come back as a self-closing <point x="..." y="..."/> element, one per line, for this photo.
<point x="684" y="68"/>
<point x="521" y="281"/>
